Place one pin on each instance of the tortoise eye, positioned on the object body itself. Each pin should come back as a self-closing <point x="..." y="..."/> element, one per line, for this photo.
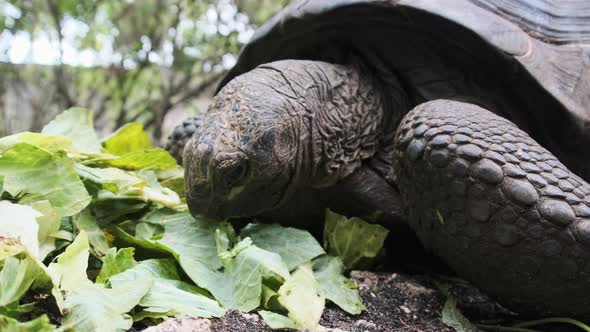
<point x="263" y="148"/>
<point x="230" y="169"/>
<point x="236" y="174"/>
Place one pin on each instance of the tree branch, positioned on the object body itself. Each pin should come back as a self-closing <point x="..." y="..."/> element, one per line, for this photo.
<point x="199" y="89"/>
<point x="60" y="82"/>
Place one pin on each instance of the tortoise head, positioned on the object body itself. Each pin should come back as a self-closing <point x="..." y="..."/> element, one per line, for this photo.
<point x="242" y="160"/>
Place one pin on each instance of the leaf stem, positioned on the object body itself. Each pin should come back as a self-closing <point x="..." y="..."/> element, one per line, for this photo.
<point x="548" y="320"/>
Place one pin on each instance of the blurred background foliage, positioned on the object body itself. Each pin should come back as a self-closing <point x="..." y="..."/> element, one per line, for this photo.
<point x="152" y="61"/>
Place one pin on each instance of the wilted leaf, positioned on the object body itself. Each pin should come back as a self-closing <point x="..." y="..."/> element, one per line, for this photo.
<point x="277" y="321"/>
<point x="300" y="296"/>
<point x="341" y="238"/>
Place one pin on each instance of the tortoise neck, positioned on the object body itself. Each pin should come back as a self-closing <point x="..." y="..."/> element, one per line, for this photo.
<point x="344" y="123"/>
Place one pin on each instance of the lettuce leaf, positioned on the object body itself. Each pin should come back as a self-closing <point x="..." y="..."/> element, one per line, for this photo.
<point x="295" y="246"/>
<point x="301" y="297"/>
<point x="33" y="174"/>
<point x="341" y="236"/>
<point x="76" y="124"/>
<point x="129" y="138"/>
<point x="156" y="159"/>
<point x="39" y="324"/>
<point x="168" y="295"/>
<point x="334" y="286"/>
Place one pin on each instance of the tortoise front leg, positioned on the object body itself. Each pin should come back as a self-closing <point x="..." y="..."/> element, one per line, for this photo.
<point x="496" y="206"/>
<point x="366" y="194"/>
<point x="180" y="136"/>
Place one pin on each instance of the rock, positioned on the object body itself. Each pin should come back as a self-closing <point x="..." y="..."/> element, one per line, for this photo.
<point x="182" y="324"/>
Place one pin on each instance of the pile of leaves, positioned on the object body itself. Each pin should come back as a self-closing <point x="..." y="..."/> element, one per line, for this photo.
<point x="96" y="236"/>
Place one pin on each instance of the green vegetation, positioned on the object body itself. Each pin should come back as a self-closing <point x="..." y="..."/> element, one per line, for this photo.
<point x="95" y="236"/>
<point x="130" y="61"/>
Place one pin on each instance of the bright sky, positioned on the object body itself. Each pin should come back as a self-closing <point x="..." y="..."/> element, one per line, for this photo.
<point x="43" y="48"/>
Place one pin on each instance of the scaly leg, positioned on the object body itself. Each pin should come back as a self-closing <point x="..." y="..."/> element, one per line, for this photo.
<point x="496" y="206"/>
<point x="180" y="136"/>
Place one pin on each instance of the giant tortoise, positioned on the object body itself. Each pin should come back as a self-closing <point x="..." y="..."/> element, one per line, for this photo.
<point x="468" y="120"/>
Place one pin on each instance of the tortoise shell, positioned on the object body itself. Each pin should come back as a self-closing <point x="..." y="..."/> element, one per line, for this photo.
<point x="526" y="60"/>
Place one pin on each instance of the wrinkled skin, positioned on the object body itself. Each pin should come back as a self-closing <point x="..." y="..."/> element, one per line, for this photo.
<point x="291" y="138"/>
<point x="278" y="140"/>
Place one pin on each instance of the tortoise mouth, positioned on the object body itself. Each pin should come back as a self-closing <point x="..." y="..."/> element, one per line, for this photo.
<point x="237" y="202"/>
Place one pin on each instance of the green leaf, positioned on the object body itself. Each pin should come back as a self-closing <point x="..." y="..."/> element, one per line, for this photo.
<point x="129" y="138"/>
<point x="116" y="210"/>
<point x="246" y="271"/>
<point x="300" y="296"/>
<point x="114" y="262"/>
<point x="173" y="178"/>
<point x="139" y="241"/>
<point x="453" y="318"/>
<point x="49" y="223"/>
<point x="37" y="175"/>
<point x="334" y="286"/>
<point x="20" y="271"/>
<point x="341" y="236"/>
<point x="69" y="272"/>
<point x="295" y="246"/>
<point x="162" y="268"/>
<point x="95" y="308"/>
<point x="112" y="179"/>
<point x="87" y="222"/>
<point x="88" y="306"/>
<point x="16" y="277"/>
<point x="270" y="298"/>
<point x="172" y="298"/>
<point x="39" y="324"/>
<point x="50" y="143"/>
<point x="277" y="321"/>
<point x="156" y="159"/>
<point x="168" y="296"/>
<point x="192" y="243"/>
<point x="119" y="185"/>
<point x="76" y="124"/>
